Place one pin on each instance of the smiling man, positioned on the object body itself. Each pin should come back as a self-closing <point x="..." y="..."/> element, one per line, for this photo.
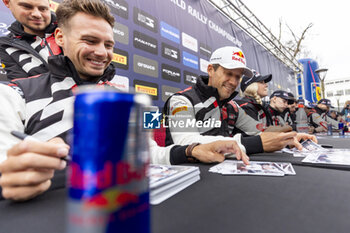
<point x="42" y="106"/>
<point x="25" y="50"/>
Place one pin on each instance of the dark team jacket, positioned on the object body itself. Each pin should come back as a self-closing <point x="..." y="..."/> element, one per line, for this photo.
<point x="289" y="118"/>
<point x="320" y="112"/>
<point x="48" y="97"/>
<point x="19" y="57"/>
<point x="201" y="93"/>
<point x="256" y="111"/>
<point x="276" y="116"/>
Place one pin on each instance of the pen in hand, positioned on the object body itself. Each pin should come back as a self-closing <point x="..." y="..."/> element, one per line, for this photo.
<point x="27" y="137"/>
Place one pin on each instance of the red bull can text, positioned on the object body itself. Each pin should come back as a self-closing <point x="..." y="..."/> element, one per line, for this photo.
<point x="108" y="186"/>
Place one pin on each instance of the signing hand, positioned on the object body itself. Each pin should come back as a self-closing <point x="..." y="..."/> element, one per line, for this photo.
<point x="214" y="152"/>
<point x="29" y="167"/>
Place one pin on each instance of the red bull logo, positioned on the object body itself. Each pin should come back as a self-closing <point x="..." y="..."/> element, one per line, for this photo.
<point x="110" y="180"/>
<point x="111" y="200"/>
<point x="238" y="56"/>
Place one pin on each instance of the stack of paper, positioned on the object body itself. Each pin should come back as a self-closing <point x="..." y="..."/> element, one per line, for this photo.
<point x="308" y="146"/>
<point x="167" y="180"/>
<point x="232" y="167"/>
<point x="332" y="156"/>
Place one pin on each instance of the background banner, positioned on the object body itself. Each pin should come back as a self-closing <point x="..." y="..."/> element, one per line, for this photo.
<point x="162" y="46"/>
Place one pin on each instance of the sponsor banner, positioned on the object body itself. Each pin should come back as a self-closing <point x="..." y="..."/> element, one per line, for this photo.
<point x="168" y="91"/>
<point x="170" y="52"/>
<point x="190" y="60"/>
<point x="189" y="42"/>
<point x="145" y="20"/>
<point x="203" y="65"/>
<point x="171" y="73"/>
<point x="145" y="66"/>
<point x="121" y="33"/>
<point x="205" y="50"/>
<point x="146" y="88"/>
<point x="315" y="92"/>
<point x="119" y="7"/>
<point x="190" y="78"/>
<point x="120" y="59"/>
<point x="121" y="82"/>
<point x="169" y="32"/>
<point x="145" y="42"/>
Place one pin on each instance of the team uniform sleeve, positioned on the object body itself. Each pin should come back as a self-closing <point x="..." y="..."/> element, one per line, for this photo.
<point x="334" y="123"/>
<point x="247" y="124"/>
<point x="318" y="120"/>
<point x="181" y="107"/>
<point x="12" y="68"/>
<point x="12" y="115"/>
<point x="159" y="155"/>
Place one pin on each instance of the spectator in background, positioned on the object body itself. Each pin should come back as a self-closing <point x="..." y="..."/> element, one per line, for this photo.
<point x="25" y="50"/>
<point x="279" y="101"/>
<point x="346" y="112"/>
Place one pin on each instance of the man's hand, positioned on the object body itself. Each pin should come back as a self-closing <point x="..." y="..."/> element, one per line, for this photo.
<point x="278" y="128"/>
<point x="214" y="152"/>
<point x="273" y="141"/>
<point x="29" y="167"/>
<point x="302" y="136"/>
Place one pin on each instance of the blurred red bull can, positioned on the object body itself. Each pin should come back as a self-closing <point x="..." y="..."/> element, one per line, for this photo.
<point x="329" y="129"/>
<point x="341" y="128"/>
<point x="108" y="187"/>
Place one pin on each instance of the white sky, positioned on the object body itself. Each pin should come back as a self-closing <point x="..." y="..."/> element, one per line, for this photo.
<point x="328" y="40"/>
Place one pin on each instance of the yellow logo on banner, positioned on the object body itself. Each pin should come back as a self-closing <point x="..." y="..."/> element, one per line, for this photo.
<point x="120" y="59"/>
<point x="146" y="90"/>
<point x="53" y="6"/>
<point x="318" y="93"/>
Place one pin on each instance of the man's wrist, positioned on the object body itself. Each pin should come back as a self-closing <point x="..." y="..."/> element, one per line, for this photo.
<point x="189" y="154"/>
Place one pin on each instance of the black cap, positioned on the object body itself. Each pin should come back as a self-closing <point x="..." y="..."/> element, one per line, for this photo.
<point x="246" y="81"/>
<point x="283" y="95"/>
<point x="325" y="102"/>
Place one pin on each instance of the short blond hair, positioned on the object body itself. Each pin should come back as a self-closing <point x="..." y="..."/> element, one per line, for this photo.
<point x="68" y="8"/>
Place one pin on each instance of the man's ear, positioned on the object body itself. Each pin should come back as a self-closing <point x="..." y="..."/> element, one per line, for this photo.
<point x="6" y="3"/>
<point x="59" y="37"/>
<point x="210" y="69"/>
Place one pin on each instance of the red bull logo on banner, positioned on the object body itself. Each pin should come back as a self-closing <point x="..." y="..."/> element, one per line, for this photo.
<point x="238" y="56"/>
<point x="315" y="92"/>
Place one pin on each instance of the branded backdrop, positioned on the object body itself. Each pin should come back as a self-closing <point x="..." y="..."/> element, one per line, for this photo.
<point x="162" y="46"/>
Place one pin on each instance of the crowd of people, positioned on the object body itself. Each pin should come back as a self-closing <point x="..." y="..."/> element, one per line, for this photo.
<point x="47" y="55"/>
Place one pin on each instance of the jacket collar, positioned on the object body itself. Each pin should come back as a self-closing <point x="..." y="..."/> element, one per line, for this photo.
<point x="274" y="111"/>
<point x="17" y="29"/>
<point x="250" y="100"/>
<point x="62" y="67"/>
<point x="209" y="91"/>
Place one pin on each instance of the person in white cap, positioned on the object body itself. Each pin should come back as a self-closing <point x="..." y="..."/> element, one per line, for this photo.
<point x="205" y="112"/>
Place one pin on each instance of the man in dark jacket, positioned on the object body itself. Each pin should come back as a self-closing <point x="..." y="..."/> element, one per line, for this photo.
<point x="206" y="112"/>
<point x="25" y="50"/>
<point x="279" y="101"/>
